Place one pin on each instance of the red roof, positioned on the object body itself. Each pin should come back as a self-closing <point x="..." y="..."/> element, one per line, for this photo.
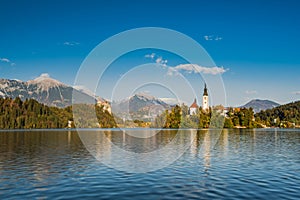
<point x="194" y="105"/>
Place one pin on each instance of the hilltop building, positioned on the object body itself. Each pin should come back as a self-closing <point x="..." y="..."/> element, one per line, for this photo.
<point x="105" y="104"/>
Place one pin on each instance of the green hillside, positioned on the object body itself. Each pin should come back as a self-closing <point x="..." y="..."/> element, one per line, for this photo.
<point x="18" y="114"/>
<point x="285" y="116"/>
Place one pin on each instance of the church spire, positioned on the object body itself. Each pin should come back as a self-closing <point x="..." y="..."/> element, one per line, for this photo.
<point x="205" y="91"/>
<point x="205" y="105"/>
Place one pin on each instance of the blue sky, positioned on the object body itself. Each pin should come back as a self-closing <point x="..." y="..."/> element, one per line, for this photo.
<point x="257" y="41"/>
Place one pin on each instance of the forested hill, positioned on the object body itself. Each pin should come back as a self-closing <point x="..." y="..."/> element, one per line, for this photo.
<point x="287" y="115"/>
<point x="18" y="114"/>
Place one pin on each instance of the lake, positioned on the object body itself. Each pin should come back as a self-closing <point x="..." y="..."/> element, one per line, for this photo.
<point x="128" y="164"/>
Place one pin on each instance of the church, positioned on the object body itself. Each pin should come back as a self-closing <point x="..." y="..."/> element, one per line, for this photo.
<point x="205" y="106"/>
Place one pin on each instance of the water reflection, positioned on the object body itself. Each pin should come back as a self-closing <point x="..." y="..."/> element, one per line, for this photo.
<point x="149" y="151"/>
<point x="36" y="154"/>
<point x="206" y="153"/>
<point x="55" y="164"/>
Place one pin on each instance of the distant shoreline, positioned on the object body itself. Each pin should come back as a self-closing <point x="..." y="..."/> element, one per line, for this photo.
<point x="138" y="128"/>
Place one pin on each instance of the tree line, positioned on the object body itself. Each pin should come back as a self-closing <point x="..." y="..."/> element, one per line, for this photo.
<point x="30" y="114"/>
<point x="215" y="117"/>
<point x="284" y="116"/>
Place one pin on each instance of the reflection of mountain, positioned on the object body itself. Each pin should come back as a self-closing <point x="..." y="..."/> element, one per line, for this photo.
<point x="43" y="89"/>
<point x="141" y="106"/>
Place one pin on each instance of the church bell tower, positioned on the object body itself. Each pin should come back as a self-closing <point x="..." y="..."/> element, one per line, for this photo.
<point x="205" y="105"/>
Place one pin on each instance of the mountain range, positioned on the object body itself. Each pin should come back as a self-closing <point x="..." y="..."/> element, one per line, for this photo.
<point x="44" y="89"/>
<point x="140" y="106"/>
<point x="52" y="92"/>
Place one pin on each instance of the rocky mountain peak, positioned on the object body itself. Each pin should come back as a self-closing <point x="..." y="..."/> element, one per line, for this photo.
<point x="143" y="96"/>
<point x="44" y="89"/>
<point x="45" y="82"/>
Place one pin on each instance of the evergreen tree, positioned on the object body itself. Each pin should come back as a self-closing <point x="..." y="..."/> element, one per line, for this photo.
<point x="15" y="114"/>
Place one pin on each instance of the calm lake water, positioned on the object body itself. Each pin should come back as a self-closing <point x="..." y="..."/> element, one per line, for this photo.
<point x="232" y="164"/>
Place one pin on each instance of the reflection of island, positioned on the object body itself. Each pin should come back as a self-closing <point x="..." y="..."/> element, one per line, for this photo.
<point x="37" y="149"/>
<point x="206" y="149"/>
<point x="135" y="149"/>
<point x="202" y="145"/>
<point x="208" y="140"/>
<point x="134" y="140"/>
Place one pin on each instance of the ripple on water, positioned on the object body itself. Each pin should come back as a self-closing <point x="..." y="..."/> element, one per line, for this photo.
<point x="243" y="164"/>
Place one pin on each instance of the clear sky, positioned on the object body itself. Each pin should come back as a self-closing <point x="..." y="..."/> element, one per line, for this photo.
<point x="256" y="41"/>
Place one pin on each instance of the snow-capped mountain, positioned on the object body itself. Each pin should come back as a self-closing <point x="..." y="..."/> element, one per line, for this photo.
<point x="44" y="89"/>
